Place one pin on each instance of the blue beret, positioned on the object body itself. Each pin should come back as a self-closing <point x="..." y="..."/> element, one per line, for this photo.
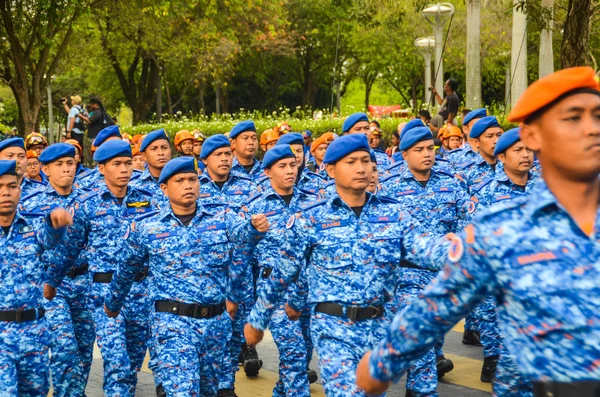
<point x="483" y="124"/>
<point x="343" y="146"/>
<point x="8" y="167"/>
<point x="12" y="142"/>
<point x="112" y="149"/>
<point x="306" y="133"/>
<point x="415" y="123"/>
<point x="243" y="126"/>
<point x="474" y="114"/>
<point x="213" y="143"/>
<point x="373" y="156"/>
<point x="293" y="138"/>
<point x="278" y="152"/>
<point x="57" y="151"/>
<point x="353" y="119"/>
<point x="151" y="137"/>
<point x="180" y="165"/>
<point x="506" y="140"/>
<point x="106" y="133"/>
<point x="414" y="136"/>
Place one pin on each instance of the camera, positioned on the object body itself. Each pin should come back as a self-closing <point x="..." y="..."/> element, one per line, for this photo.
<point x="63" y="100"/>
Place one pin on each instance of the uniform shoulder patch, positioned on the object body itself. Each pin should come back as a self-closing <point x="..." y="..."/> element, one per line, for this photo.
<point x="388" y="200"/>
<point x="457" y="150"/>
<point x="30" y="195"/>
<point x="86" y="196"/>
<point x="456" y="250"/>
<point x="477" y="187"/>
<point x="314" y="204"/>
<point x="308" y="193"/>
<point x="253" y="198"/>
<point x="290" y="222"/>
<point x="146" y="215"/>
<point x="87" y="173"/>
<point x="390" y="177"/>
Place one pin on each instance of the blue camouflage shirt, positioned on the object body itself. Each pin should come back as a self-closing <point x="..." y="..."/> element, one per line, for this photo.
<point x="491" y="191"/>
<point x="254" y="173"/>
<point x="235" y="192"/>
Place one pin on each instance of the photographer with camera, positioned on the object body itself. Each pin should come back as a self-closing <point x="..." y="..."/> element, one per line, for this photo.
<point x="448" y="107"/>
<point x="98" y="118"/>
<point x="76" y="120"/>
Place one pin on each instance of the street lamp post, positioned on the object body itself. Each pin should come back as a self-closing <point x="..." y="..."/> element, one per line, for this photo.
<point x="425" y="45"/>
<point x="436" y="15"/>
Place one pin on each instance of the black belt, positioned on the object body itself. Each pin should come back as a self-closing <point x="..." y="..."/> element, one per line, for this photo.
<point x="353" y="313"/>
<point x="106" y="277"/>
<point x="574" y="389"/>
<point x="190" y="309"/>
<point x="21" y="315"/>
<point x="77" y="271"/>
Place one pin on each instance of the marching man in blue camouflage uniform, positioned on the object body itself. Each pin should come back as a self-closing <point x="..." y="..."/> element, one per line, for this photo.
<point x="189" y="251"/>
<point x="14" y="149"/>
<point x="69" y="314"/>
<point x="350" y="245"/>
<point x="24" y="238"/>
<point x="358" y="123"/>
<point x="88" y="179"/>
<point x="157" y="153"/>
<point x="468" y="151"/>
<point x="537" y="255"/>
<point x="244" y="144"/>
<point x="439" y="203"/>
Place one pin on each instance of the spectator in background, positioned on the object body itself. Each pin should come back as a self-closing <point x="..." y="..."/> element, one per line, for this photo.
<point x="76" y="120"/>
<point x="34" y="168"/>
<point x="98" y="119"/>
<point x="137" y="159"/>
<point x="448" y="106"/>
<point x="395" y="142"/>
<point x="375" y="141"/>
<point x="199" y="139"/>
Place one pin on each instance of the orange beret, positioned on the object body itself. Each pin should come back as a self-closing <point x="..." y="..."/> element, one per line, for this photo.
<point x="31" y="154"/>
<point x="74" y="143"/>
<point x="135" y="150"/>
<point x="327" y="137"/>
<point x="555" y="86"/>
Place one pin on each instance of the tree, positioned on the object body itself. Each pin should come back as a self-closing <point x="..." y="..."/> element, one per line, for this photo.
<point x="518" y="54"/>
<point x="35" y="36"/>
<point x="473" y="81"/>
<point x="546" y="59"/>
<point x="575" y="49"/>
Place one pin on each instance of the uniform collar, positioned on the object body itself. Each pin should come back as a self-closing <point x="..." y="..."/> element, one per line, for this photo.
<point x="200" y="212"/>
<point x="147" y="176"/>
<point x="336" y="200"/>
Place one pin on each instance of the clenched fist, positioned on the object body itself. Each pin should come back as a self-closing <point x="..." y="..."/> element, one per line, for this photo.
<point x="60" y="218"/>
<point x="260" y="222"/>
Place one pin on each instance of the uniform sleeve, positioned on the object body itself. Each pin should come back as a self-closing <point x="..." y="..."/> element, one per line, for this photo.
<point x="298" y="298"/>
<point x="292" y="258"/>
<point x="240" y="228"/>
<point x="48" y="236"/>
<point x="465" y="281"/>
<point x="462" y="209"/>
<point x="428" y="251"/>
<point x="240" y="277"/>
<point x="136" y="259"/>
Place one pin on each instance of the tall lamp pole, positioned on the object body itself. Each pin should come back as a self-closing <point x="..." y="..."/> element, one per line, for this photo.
<point x="437" y="14"/>
<point x="425" y="46"/>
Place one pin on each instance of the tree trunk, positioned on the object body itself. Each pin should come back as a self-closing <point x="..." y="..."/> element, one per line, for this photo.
<point x="168" y="95"/>
<point x="473" y="54"/>
<point x="546" y="59"/>
<point x="518" y="55"/>
<point x="201" y="94"/>
<point x="575" y="48"/>
<point x="158" y="97"/>
<point x="217" y="99"/>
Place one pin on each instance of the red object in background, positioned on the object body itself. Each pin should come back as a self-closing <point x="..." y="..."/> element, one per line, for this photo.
<point x="378" y="111"/>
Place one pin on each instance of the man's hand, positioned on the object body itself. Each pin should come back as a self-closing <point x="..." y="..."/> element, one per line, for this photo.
<point x="253" y="336"/>
<point x="364" y="380"/>
<point x="260" y="222"/>
<point x="109" y="313"/>
<point x="49" y="292"/>
<point x="433" y="90"/>
<point x="232" y="308"/>
<point x="60" y="218"/>
<point x="292" y="314"/>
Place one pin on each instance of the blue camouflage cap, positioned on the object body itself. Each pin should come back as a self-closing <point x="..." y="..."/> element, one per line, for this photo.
<point x="474" y="114"/>
<point x="507" y="139"/>
<point x="343" y="146"/>
<point x="112" y="149"/>
<point x="483" y="124"/>
<point x="353" y="119"/>
<point x="153" y="136"/>
<point x="180" y="165"/>
<point x="103" y="135"/>
<point x="414" y="136"/>
<point x="57" y="151"/>
<point x="240" y="127"/>
<point x="12" y="142"/>
<point x="278" y="152"/>
<point x="213" y="143"/>
<point x="8" y="167"/>
<point x="293" y="138"/>
<point x="415" y="123"/>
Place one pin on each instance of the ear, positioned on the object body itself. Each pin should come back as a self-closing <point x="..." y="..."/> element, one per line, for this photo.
<point x="45" y="170"/>
<point x="476" y="143"/>
<point x="502" y="157"/>
<point x="102" y="169"/>
<point x="268" y="173"/>
<point x="404" y="154"/>
<point x="144" y="156"/>
<point x="531" y="136"/>
<point x="330" y="169"/>
<point x="163" y="187"/>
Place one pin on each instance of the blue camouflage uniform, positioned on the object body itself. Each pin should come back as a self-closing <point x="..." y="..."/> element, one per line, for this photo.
<point x="255" y="171"/>
<point x="288" y="335"/>
<point x="69" y="314"/>
<point x="541" y="269"/>
<point x="383" y="160"/>
<point x="441" y="208"/>
<point x="350" y="261"/>
<point x="148" y="183"/>
<point x="474" y="171"/>
<point x="190" y="264"/>
<point x="103" y="223"/>
<point x="29" y="186"/>
<point x="462" y="155"/>
<point x="24" y="362"/>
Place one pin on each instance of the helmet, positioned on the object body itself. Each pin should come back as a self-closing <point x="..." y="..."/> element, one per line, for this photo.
<point x="74" y="143"/>
<point x="269" y="136"/>
<point x="182" y="136"/>
<point x="450" y="131"/>
<point x="35" y="138"/>
<point x="198" y="136"/>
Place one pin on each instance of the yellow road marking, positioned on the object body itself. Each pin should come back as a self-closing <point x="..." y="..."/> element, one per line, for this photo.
<point x="466" y="373"/>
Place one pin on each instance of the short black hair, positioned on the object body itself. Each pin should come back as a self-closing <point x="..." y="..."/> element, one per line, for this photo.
<point x="425" y="114"/>
<point x="95" y="101"/>
<point x="453" y="84"/>
<point x="396" y="134"/>
<point x="376" y="123"/>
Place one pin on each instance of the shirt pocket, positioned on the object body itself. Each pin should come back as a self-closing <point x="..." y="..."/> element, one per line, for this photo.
<point x="332" y="256"/>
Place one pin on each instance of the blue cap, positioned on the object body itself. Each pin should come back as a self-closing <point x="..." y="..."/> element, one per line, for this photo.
<point x="180" y="165"/>
<point x="343" y="146"/>
<point x="12" y="142"/>
<point x="293" y="138"/>
<point x="353" y="119"/>
<point x="278" y="152"/>
<point x="483" y="124"/>
<point x="112" y="149"/>
<point x="415" y="123"/>
<point x="153" y="136"/>
<point x="414" y="136"/>
<point x="106" y="133"/>
<point x="506" y="140"/>
<point x="57" y="151"/>
<point x="213" y="143"/>
<point x="474" y="114"/>
<point x="8" y="167"/>
<point x="306" y="133"/>
<point x="243" y="126"/>
<point x="373" y="156"/>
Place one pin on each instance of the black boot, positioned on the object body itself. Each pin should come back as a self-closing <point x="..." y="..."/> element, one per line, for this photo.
<point x="226" y="393"/>
<point x="252" y="363"/>
<point x="443" y="366"/>
<point x="160" y="392"/>
<point x="471" y="338"/>
<point x="488" y="371"/>
<point x="312" y="375"/>
<point x="409" y="393"/>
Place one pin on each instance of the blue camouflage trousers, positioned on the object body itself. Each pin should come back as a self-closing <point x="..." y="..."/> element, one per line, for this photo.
<point x="488" y="327"/>
<point x="24" y="359"/>
<point x="71" y="326"/>
<point x="340" y="345"/>
<point x="122" y="340"/>
<point x="508" y="381"/>
<point x="233" y="348"/>
<point x="305" y="324"/>
<point x="288" y="336"/>
<point x="190" y="352"/>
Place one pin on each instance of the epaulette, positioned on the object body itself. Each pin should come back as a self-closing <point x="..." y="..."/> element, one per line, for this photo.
<point x="466" y="164"/>
<point x="387" y="178"/>
<point x="388" y="200"/>
<point x="329" y="183"/>
<point x="87" y="173"/>
<point x="32" y="214"/>
<point x="245" y="177"/>
<point x="146" y="215"/>
<point x="446" y="172"/>
<point x="86" y="196"/>
<point x="38" y="182"/>
<point x="253" y="198"/>
<point x="314" y="174"/>
<point x="441" y="159"/>
<point x="457" y="150"/>
<point x="142" y="190"/>
<point x="501" y="207"/>
<point x="312" y="205"/>
<point x="478" y="186"/>
<point x="30" y="195"/>
<point x="307" y="193"/>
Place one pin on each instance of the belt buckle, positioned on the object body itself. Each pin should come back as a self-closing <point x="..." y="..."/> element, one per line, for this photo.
<point x="375" y="311"/>
<point x="175" y="308"/>
<point x="352" y="312"/>
<point x="19" y="315"/>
